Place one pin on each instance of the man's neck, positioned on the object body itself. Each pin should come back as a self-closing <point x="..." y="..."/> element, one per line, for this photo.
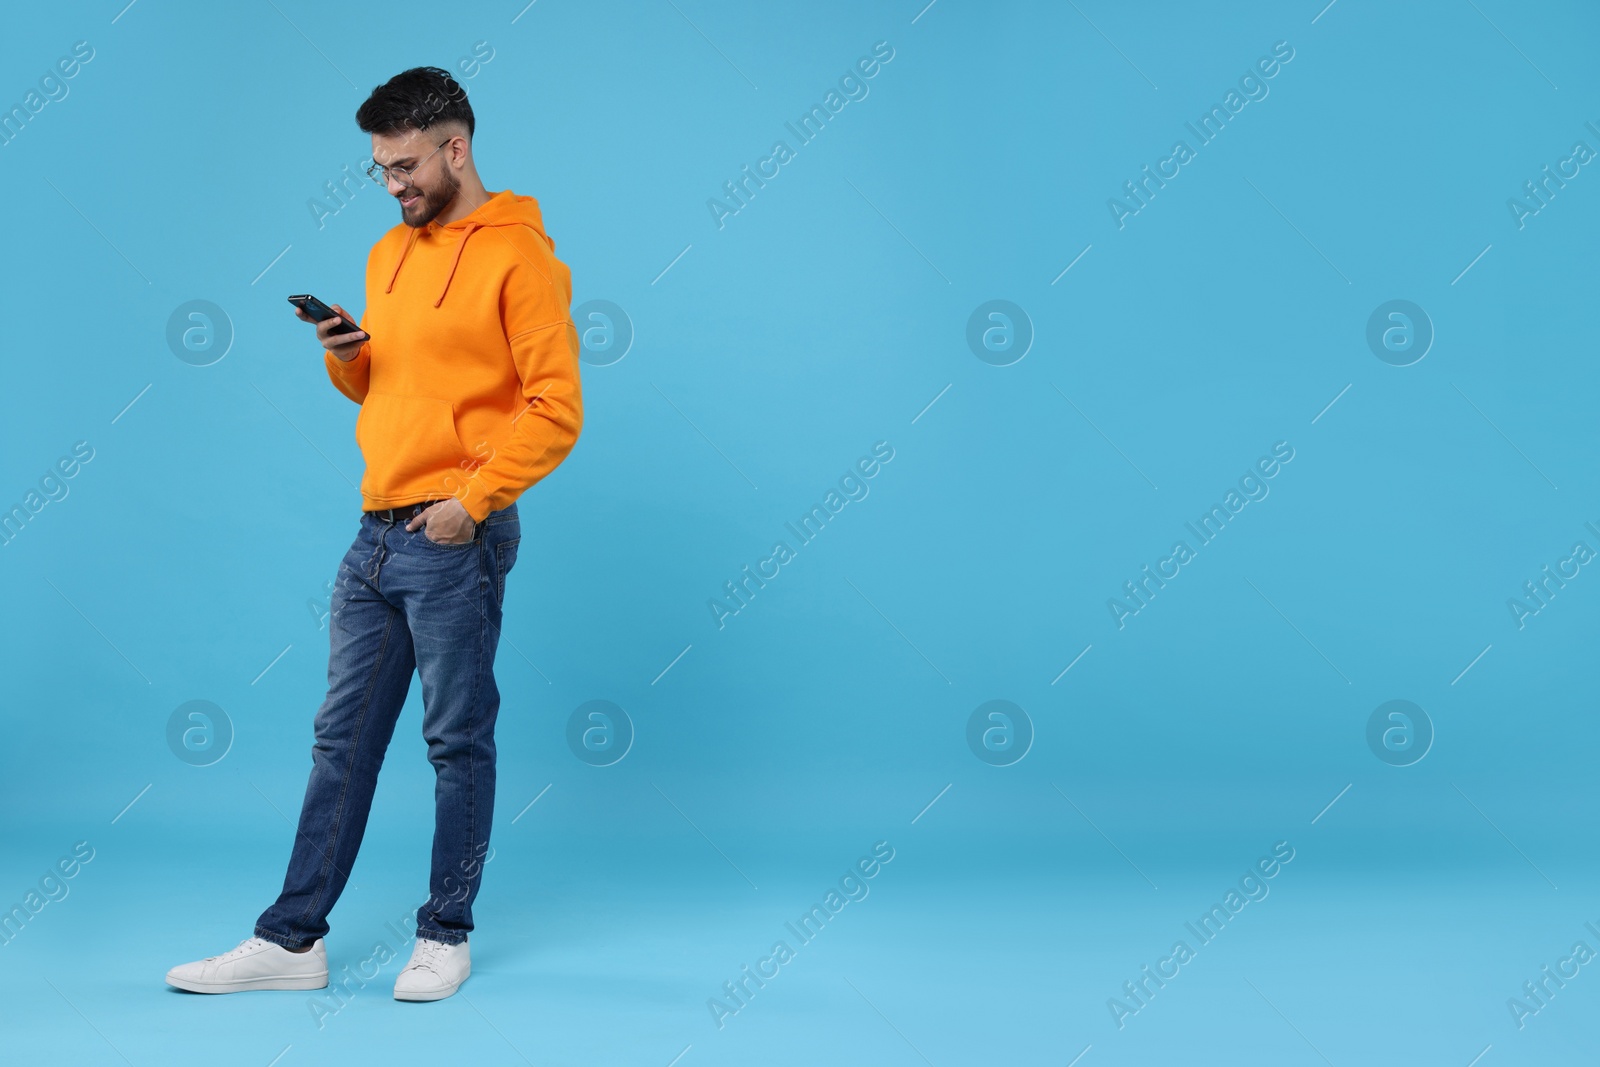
<point x="465" y="203"/>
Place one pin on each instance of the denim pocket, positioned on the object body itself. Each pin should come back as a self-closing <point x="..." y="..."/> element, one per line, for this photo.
<point x="422" y="533"/>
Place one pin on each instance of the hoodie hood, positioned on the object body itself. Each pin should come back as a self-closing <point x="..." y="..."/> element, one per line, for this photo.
<point x="504" y="208"/>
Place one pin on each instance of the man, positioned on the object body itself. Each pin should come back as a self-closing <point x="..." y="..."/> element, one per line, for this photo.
<point x="466" y="371"/>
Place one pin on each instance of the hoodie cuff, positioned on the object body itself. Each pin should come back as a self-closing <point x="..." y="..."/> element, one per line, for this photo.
<point x="356" y="365"/>
<point x="476" y="500"/>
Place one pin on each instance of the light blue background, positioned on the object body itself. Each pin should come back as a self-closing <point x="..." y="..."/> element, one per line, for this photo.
<point x="828" y="714"/>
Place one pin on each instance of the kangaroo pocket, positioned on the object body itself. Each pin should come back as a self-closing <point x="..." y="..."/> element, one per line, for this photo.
<point x="410" y="446"/>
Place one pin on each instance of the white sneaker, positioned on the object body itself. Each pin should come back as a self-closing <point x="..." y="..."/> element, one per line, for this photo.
<point x="436" y="971"/>
<point x="255" y="964"/>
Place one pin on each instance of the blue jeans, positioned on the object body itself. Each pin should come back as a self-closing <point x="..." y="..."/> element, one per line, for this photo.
<point x="403" y="603"/>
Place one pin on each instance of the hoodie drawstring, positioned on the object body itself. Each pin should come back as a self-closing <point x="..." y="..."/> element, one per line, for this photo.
<point x="472" y="228"/>
<point x="410" y="240"/>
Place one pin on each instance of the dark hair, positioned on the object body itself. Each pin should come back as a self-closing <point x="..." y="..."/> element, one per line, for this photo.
<point x="415" y="99"/>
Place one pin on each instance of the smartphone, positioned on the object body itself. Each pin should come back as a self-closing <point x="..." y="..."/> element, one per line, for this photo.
<point x="320" y="312"/>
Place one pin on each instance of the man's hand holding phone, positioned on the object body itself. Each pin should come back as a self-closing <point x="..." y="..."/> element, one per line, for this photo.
<point x="340" y="344"/>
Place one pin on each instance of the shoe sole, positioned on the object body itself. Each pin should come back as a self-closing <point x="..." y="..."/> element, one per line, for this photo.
<point x="307" y="981"/>
<point x="435" y="995"/>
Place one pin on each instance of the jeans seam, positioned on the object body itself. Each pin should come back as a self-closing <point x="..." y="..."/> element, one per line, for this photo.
<point x="500" y="571"/>
<point x="472" y="773"/>
<point x="472" y="761"/>
<point x="472" y="732"/>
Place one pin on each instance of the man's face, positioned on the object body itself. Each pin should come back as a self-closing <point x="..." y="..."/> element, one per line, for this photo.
<point x="432" y="185"/>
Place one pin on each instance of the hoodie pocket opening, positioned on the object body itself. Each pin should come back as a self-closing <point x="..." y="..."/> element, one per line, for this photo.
<point x="410" y="444"/>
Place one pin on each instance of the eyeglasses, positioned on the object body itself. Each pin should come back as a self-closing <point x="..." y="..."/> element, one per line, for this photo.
<point x="382" y="174"/>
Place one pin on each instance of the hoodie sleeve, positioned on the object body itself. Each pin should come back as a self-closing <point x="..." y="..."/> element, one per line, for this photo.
<point x="546" y="424"/>
<point x="351" y="378"/>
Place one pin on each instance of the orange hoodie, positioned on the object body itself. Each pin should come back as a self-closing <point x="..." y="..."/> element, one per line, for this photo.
<point x="469" y="385"/>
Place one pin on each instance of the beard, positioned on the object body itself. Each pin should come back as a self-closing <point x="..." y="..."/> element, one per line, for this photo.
<point x="431" y="201"/>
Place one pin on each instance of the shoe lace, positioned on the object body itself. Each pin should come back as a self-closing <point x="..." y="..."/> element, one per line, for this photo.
<point x="428" y="953"/>
<point x="240" y="949"/>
